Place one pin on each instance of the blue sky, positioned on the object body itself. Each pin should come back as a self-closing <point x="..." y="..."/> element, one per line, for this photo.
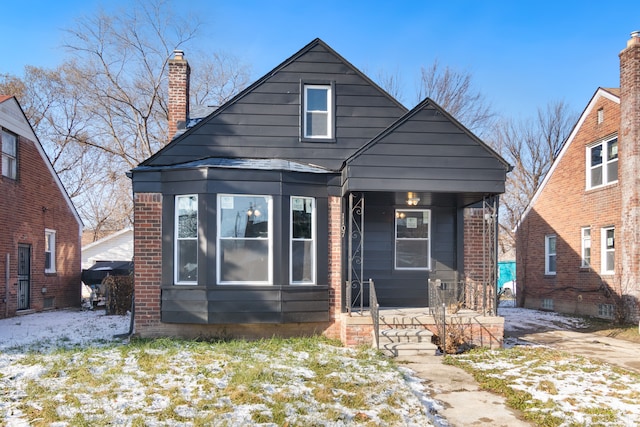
<point x="521" y="54"/>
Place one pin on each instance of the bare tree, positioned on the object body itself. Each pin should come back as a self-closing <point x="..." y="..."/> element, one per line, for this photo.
<point x="104" y="110"/>
<point x="454" y="91"/>
<point x="531" y="146"/>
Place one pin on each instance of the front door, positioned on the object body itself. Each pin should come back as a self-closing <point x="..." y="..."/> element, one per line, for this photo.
<point x="24" y="276"/>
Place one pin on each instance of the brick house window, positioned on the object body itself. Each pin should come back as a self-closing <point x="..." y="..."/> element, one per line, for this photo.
<point x="550" y="254"/>
<point x="245" y="239"/>
<point x="412" y="240"/>
<point x="186" y="240"/>
<point x="547" y="304"/>
<point x="317" y="111"/>
<point x="586" y="247"/>
<point x="608" y="250"/>
<point x="602" y="167"/>
<point x="49" y="251"/>
<point x="302" y="245"/>
<point x="9" y="155"/>
<point x="600" y="115"/>
<point x="606" y="311"/>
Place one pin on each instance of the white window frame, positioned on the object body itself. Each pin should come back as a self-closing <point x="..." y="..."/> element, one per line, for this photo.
<point x="222" y="200"/>
<point x="548" y="254"/>
<point x="177" y="239"/>
<point x="585" y="238"/>
<point x="313" y="241"/>
<point x="604" y="250"/>
<point x="9" y="159"/>
<point x="398" y="213"/>
<point x="604" y="164"/>
<point x="50" y="249"/>
<point x="328" y="113"/>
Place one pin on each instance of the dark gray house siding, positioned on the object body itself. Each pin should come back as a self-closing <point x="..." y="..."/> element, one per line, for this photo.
<point x="208" y="302"/>
<point x="254" y="145"/>
<point x="264" y="120"/>
<point x="426" y="151"/>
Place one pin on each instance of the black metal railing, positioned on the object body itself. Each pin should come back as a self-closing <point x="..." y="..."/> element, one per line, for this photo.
<point x="453" y="296"/>
<point x="375" y="313"/>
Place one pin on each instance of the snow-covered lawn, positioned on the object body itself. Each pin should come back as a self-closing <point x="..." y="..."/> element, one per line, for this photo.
<point x="65" y="368"/>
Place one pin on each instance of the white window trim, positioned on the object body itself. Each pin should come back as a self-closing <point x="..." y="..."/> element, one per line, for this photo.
<point x="313" y="242"/>
<point x="269" y="281"/>
<point x="329" y="111"/>
<point x="176" y="274"/>
<point x="52" y="240"/>
<point x="547" y="254"/>
<point x="583" y="240"/>
<point x="604" y="163"/>
<point x="12" y="159"/>
<point x="395" y="241"/>
<point x="604" y="250"/>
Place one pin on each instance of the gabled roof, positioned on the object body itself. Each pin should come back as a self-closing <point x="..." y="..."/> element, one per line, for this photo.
<point x="612" y="94"/>
<point x="426" y="150"/>
<point x="18" y="123"/>
<point x="253" y="87"/>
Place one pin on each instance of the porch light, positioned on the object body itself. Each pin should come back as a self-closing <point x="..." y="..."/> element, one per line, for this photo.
<point x="412" y="199"/>
<point x="253" y="211"/>
<point x="400" y="215"/>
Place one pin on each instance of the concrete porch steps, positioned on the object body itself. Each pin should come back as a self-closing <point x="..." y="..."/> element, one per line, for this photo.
<point x="402" y="342"/>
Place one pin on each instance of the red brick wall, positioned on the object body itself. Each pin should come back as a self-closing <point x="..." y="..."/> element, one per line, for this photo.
<point x="563" y="207"/>
<point x="335" y="267"/>
<point x="630" y="171"/>
<point x="178" y="103"/>
<point x="31" y="204"/>
<point x="474" y="256"/>
<point x="147" y="260"/>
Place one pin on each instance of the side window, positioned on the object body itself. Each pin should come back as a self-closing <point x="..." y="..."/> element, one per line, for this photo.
<point x="602" y="167"/>
<point x="586" y="246"/>
<point x="413" y="239"/>
<point x="49" y="251"/>
<point x="9" y="155"/>
<point x="303" y="237"/>
<point x="317" y="111"/>
<point x="245" y="239"/>
<point x="608" y="250"/>
<point x="550" y="254"/>
<point x="186" y="240"/>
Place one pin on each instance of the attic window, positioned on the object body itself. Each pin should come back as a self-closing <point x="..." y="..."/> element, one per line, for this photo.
<point x="600" y="115"/>
<point x="317" y="112"/>
<point x="9" y="154"/>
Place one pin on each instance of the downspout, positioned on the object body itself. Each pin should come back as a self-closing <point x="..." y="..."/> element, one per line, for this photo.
<point x="496" y="251"/>
<point x="6" y="288"/>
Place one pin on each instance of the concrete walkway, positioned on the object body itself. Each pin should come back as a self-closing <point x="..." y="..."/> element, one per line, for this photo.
<point x="460" y="395"/>
<point x="466" y="405"/>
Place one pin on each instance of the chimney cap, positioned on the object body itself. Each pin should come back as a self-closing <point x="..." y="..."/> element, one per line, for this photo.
<point x="178" y="54"/>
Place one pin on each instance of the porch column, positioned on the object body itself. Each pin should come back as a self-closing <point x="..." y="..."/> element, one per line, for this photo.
<point x="335" y="267"/>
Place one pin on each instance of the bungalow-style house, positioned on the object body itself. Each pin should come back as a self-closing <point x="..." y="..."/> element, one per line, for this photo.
<point x="262" y="217"/>
<point x="577" y="242"/>
<point x="41" y="229"/>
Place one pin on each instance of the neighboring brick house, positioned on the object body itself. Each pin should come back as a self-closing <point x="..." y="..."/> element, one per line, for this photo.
<point x="252" y="221"/>
<point x="41" y="229"/>
<point x="577" y="242"/>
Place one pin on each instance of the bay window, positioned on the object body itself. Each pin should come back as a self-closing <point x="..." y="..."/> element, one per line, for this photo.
<point x="302" y="245"/>
<point x="245" y="239"/>
<point x="186" y="240"/>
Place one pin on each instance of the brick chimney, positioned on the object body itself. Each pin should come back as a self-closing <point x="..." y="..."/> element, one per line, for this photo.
<point x="179" y="72"/>
<point x="628" y="241"/>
